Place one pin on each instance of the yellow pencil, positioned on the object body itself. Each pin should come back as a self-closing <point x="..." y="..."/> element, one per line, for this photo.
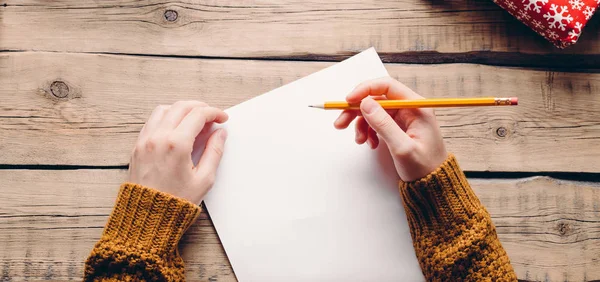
<point x="424" y="103"/>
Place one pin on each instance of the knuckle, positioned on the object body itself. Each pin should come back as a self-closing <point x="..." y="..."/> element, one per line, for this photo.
<point x="199" y="110"/>
<point x="149" y="146"/>
<point x="364" y="84"/>
<point x="161" y="108"/>
<point x="383" y="121"/>
<point x="173" y="144"/>
<point x="155" y="143"/>
<point x="180" y="103"/>
<point x="189" y="104"/>
<point x="138" y="148"/>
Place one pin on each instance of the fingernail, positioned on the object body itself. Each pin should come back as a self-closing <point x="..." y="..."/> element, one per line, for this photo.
<point x="370" y="143"/>
<point x="222" y="134"/>
<point x="337" y="119"/>
<point x="368" y="105"/>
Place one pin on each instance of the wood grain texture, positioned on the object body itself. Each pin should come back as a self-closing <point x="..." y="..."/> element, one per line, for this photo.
<point x="549" y="228"/>
<point x="477" y="29"/>
<point x="107" y="99"/>
<point x="50" y="220"/>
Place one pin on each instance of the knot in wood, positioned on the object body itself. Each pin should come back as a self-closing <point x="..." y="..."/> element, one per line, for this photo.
<point x="171" y="15"/>
<point x="501" y="131"/>
<point x="563" y="228"/>
<point x="59" y="89"/>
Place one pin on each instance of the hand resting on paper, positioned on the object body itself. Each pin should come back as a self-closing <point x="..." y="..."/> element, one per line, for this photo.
<point x="413" y="136"/>
<point x="159" y="202"/>
<point x="161" y="158"/>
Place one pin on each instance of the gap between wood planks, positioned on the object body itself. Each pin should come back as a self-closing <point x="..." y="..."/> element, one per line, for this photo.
<point x="550" y="62"/>
<point x="574" y="176"/>
<point x="548" y="227"/>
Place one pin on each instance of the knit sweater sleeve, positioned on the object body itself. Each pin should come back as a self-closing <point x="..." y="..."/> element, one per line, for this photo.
<point x="140" y="240"/>
<point x="452" y="233"/>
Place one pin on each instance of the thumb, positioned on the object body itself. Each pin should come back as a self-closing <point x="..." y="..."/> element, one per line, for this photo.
<point x="383" y="124"/>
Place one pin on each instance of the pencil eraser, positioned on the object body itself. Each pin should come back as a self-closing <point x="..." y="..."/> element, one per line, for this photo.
<point x="514" y="101"/>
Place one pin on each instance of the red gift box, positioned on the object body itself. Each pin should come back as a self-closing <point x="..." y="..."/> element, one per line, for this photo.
<point x="559" y="21"/>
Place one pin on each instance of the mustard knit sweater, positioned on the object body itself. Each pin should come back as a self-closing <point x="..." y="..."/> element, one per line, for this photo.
<point x="453" y="234"/>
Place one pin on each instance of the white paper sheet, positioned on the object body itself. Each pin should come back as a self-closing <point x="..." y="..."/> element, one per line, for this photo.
<point x="297" y="200"/>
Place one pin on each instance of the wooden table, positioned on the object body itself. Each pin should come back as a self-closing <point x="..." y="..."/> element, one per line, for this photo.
<point x="79" y="78"/>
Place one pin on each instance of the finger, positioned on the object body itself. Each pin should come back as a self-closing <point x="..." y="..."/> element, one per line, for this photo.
<point x="361" y="131"/>
<point x="176" y="114"/>
<point x="383" y="124"/>
<point x="153" y="121"/>
<point x="209" y="161"/>
<point x="387" y="86"/>
<point x="195" y="121"/>
<point x="345" y="118"/>
<point x="372" y="138"/>
<point x="208" y="126"/>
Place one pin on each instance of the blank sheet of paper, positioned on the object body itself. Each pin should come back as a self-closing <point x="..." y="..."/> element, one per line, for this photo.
<point x="297" y="200"/>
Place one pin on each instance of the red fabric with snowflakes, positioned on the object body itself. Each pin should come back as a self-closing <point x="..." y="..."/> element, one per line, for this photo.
<point x="559" y="21"/>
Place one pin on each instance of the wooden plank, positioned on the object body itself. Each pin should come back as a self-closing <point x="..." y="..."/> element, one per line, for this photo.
<point x="271" y="28"/>
<point x="549" y="228"/>
<point x="50" y="219"/>
<point x="108" y="98"/>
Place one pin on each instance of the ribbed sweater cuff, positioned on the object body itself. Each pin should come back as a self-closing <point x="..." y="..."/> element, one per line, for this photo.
<point x="149" y="220"/>
<point x="443" y="197"/>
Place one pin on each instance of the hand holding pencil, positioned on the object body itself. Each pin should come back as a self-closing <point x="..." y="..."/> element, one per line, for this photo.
<point x="412" y="135"/>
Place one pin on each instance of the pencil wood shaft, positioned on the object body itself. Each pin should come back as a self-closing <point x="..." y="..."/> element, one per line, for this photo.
<point x="424" y="103"/>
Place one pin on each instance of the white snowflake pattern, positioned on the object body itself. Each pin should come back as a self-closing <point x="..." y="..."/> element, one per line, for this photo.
<point x="556" y="20"/>
<point x="538" y="24"/>
<point x="512" y="5"/>
<point x="552" y="34"/>
<point x="588" y="12"/>
<point x="574" y="34"/>
<point x="523" y="15"/>
<point x="576" y="4"/>
<point x="533" y="4"/>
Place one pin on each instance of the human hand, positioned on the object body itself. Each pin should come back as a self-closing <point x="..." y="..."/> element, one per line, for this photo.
<point x="162" y="157"/>
<point x="413" y="136"/>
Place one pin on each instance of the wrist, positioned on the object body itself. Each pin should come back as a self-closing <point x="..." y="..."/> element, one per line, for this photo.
<point x="444" y="196"/>
<point x="419" y="165"/>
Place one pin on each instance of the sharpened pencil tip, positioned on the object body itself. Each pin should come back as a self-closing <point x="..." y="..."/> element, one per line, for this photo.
<point x="316" y="106"/>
